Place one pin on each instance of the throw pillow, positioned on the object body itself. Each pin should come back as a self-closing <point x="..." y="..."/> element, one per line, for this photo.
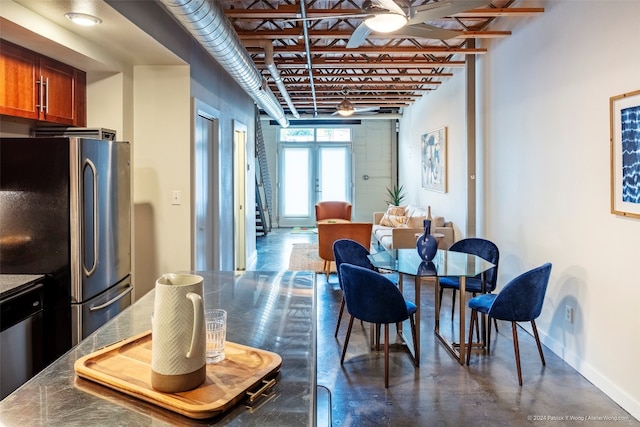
<point x="393" y="220"/>
<point x="394" y="217"/>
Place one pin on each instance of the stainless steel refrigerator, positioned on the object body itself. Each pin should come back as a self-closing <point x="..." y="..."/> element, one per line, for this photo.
<point x="65" y="211"/>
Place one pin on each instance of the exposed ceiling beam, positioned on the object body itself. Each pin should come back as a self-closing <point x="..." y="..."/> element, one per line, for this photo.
<point x="296" y="33"/>
<point x="371" y="75"/>
<point x="386" y="64"/>
<point x="379" y="50"/>
<point x="291" y="12"/>
<point x="402" y="92"/>
<point x="360" y="97"/>
<point x="304" y="86"/>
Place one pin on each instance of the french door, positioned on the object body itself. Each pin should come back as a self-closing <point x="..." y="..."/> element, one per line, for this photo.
<point x="310" y="173"/>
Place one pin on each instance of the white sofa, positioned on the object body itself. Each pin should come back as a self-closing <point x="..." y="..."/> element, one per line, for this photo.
<point x="404" y="235"/>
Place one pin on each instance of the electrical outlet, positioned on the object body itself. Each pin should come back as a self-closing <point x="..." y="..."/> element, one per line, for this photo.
<point x="568" y="313"/>
<point x="176" y="197"/>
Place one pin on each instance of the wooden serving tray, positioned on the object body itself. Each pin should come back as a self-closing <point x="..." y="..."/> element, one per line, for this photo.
<point x="126" y="366"/>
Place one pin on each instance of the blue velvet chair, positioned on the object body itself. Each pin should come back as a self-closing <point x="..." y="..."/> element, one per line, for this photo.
<point x="519" y="301"/>
<point x="351" y="252"/>
<point x="486" y="250"/>
<point x="371" y="297"/>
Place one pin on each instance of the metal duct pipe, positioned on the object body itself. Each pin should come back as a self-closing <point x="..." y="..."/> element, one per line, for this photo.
<point x="207" y="23"/>
<point x="271" y="66"/>
<point x="307" y="50"/>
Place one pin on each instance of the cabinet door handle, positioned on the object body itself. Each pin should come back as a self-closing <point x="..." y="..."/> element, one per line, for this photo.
<point x="40" y="106"/>
<point x="46" y="105"/>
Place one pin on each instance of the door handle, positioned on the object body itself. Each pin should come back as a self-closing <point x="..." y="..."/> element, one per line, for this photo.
<point x="112" y="300"/>
<point x="88" y="272"/>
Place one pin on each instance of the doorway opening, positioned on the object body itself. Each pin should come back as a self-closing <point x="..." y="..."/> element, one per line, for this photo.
<point x="315" y="165"/>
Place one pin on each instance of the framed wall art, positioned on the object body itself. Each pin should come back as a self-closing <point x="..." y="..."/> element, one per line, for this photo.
<point x="434" y="160"/>
<point x="625" y="154"/>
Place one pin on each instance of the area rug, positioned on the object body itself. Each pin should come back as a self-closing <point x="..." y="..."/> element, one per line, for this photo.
<point x="304" y="257"/>
<point x="303" y="230"/>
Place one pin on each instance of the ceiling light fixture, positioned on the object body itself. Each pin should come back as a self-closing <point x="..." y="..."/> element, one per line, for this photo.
<point x="386" y="22"/>
<point x="83" y="19"/>
<point x="345" y="108"/>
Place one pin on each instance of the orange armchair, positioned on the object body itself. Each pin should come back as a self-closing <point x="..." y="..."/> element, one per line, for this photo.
<point x="328" y="233"/>
<point x="333" y="210"/>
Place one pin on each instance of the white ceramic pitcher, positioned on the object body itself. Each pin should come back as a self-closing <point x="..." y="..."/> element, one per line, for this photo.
<point x="178" y="361"/>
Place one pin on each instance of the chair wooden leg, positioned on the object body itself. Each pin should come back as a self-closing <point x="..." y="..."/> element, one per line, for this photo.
<point x="412" y="321"/>
<point x="378" y="337"/>
<point x="328" y="268"/>
<point x="473" y="322"/>
<point x="339" y="316"/>
<point x="516" y="349"/>
<point x="495" y="323"/>
<point x="453" y="303"/>
<point x="489" y="334"/>
<point x="535" y="334"/>
<point x="386" y="355"/>
<point x="346" y="340"/>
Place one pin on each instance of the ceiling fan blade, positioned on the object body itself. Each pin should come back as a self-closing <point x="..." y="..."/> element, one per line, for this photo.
<point x="424" y="31"/>
<point x="358" y="36"/>
<point x="390" y="5"/>
<point x="360" y="110"/>
<point x="441" y="9"/>
<point x="366" y="109"/>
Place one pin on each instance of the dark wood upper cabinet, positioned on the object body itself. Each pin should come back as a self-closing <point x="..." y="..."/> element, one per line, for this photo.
<point x="35" y="87"/>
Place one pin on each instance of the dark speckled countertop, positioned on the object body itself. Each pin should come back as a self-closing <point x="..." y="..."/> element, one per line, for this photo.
<point x="274" y="311"/>
<point x="14" y="283"/>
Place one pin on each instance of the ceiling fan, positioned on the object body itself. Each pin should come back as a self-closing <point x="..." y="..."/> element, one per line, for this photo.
<point x="346" y="108"/>
<point x="386" y="16"/>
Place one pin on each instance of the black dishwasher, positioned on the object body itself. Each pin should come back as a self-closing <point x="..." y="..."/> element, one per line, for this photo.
<point x="21" y="337"/>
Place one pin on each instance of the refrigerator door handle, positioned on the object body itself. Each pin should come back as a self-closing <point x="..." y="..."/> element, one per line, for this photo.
<point x="124" y="293"/>
<point x="92" y="166"/>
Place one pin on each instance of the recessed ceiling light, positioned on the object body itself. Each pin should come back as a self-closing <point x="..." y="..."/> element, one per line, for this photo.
<point x="83" y="19"/>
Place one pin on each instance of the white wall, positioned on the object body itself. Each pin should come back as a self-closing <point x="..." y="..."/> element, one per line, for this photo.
<point x="162" y="153"/>
<point x="442" y="108"/>
<point x="543" y="126"/>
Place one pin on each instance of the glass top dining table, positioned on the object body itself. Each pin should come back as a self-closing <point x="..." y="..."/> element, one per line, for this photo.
<point x="445" y="263"/>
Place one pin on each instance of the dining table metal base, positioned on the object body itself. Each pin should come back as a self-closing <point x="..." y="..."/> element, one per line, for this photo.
<point x="457" y="349"/>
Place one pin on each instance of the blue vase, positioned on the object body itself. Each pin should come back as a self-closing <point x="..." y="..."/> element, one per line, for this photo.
<point x="427" y="268"/>
<point x="427" y="245"/>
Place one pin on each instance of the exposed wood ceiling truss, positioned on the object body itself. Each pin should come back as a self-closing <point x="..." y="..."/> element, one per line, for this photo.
<point x="385" y="71"/>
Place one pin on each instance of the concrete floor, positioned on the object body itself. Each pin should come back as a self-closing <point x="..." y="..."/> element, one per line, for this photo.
<point x="440" y="392"/>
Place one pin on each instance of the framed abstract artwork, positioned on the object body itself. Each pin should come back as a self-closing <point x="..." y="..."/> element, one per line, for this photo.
<point x="434" y="160"/>
<point x="625" y="154"/>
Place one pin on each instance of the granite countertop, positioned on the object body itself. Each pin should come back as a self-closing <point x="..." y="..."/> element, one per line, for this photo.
<point x="13" y="283"/>
<point x="273" y="311"/>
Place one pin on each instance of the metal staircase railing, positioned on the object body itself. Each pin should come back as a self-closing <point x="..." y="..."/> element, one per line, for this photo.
<point x="263" y="184"/>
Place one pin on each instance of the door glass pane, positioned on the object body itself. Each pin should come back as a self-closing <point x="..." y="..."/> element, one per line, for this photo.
<point x="333" y="173"/>
<point x="296" y="135"/>
<point x="296" y="182"/>
<point x="334" y="135"/>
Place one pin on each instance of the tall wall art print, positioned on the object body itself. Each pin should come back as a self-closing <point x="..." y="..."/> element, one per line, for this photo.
<point x="625" y="154"/>
<point x="434" y="160"/>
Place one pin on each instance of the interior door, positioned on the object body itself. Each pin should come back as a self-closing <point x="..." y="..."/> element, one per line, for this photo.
<point x="240" y="194"/>
<point x="310" y="173"/>
<point x="297" y="191"/>
<point x="206" y="250"/>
